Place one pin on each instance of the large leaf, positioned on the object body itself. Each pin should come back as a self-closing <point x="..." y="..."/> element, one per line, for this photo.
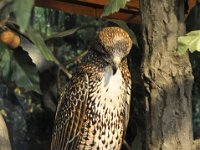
<point x="4" y="61"/>
<point x="114" y="6"/>
<point x="124" y="26"/>
<point x="22" y="9"/>
<point x="191" y="42"/>
<point x="39" y="42"/>
<point x="24" y="72"/>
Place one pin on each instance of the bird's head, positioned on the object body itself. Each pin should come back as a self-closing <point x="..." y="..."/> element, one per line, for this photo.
<point x="114" y="44"/>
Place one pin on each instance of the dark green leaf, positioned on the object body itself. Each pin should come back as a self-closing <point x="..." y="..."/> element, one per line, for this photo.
<point x="191" y="42"/>
<point x="39" y="42"/>
<point x="24" y="72"/>
<point x="4" y="61"/>
<point x="193" y="21"/>
<point x="22" y="9"/>
<point x="114" y="6"/>
<point x="124" y="26"/>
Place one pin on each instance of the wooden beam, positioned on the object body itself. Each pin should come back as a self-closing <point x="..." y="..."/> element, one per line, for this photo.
<point x="132" y="5"/>
<point x="127" y="14"/>
<point x="94" y="8"/>
<point x="66" y="7"/>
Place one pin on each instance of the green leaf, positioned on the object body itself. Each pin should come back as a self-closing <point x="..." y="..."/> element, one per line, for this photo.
<point x="5" y="61"/>
<point x="24" y="71"/>
<point x="191" y="42"/>
<point x="39" y="42"/>
<point x="69" y="31"/>
<point x="124" y="26"/>
<point x="22" y="10"/>
<point x="64" y="33"/>
<point x="114" y="6"/>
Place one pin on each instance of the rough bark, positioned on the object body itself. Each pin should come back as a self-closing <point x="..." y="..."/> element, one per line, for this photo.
<point x="4" y="138"/>
<point x="196" y="144"/>
<point x="167" y="77"/>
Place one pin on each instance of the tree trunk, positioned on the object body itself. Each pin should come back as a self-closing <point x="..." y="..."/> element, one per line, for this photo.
<point x="4" y="138"/>
<point x="167" y="77"/>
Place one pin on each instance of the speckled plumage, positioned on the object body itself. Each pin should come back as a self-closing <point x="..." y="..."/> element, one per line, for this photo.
<point x="93" y="111"/>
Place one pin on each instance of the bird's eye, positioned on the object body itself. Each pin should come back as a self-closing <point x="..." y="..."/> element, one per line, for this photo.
<point x="100" y="49"/>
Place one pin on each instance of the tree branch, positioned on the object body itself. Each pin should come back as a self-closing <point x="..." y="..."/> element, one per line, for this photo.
<point x="65" y="71"/>
<point x="77" y="58"/>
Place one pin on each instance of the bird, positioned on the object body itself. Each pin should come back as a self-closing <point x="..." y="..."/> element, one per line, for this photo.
<point x="93" y="110"/>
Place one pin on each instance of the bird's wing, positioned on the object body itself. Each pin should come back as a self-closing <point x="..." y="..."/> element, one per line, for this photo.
<point x="70" y="114"/>
<point x="127" y="78"/>
<point x="127" y="110"/>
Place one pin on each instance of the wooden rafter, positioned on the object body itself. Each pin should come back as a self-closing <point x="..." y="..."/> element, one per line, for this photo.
<point x="94" y="8"/>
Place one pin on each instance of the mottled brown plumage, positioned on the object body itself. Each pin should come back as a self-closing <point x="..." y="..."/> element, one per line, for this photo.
<point x="93" y="110"/>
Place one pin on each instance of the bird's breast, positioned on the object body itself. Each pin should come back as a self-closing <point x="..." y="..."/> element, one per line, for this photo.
<point x="108" y="95"/>
<point x="111" y="89"/>
<point x="104" y="128"/>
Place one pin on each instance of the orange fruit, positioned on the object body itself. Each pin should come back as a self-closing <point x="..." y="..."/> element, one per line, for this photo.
<point x="10" y="38"/>
<point x="7" y="37"/>
<point x="16" y="41"/>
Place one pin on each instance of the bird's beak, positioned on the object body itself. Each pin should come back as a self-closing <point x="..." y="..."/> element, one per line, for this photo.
<point x="116" y="62"/>
<point x="114" y="69"/>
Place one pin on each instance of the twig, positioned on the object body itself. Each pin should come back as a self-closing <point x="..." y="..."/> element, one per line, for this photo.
<point x="77" y="58"/>
<point x="58" y="86"/>
<point x="66" y="72"/>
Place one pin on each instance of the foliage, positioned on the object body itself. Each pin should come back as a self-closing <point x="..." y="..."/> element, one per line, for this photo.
<point x="24" y="72"/>
<point x="5" y="61"/>
<point x="39" y="42"/>
<point x="17" y="66"/>
<point x="114" y="6"/>
<point x="22" y="10"/>
<point x="64" y="33"/>
<point x="191" y="42"/>
<point x="68" y="32"/>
